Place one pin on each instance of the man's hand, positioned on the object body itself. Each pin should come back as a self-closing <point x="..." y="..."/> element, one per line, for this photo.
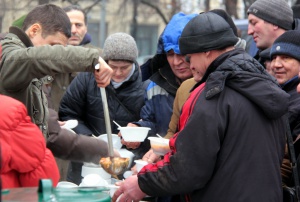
<point x="129" y="190"/>
<point x="61" y="123"/>
<point x="151" y="157"/>
<point x="103" y="73"/>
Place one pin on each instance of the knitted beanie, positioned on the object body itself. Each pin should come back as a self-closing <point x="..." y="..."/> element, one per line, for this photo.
<point x="276" y="12"/>
<point x="120" y="46"/>
<point x="205" y="32"/>
<point x="287" y="44"/>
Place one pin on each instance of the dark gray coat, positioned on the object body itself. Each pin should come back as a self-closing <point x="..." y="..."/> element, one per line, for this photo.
<point x="231" y="138"/>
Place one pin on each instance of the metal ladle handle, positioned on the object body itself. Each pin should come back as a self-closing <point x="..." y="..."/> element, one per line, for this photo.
<point x="107" y="122"/>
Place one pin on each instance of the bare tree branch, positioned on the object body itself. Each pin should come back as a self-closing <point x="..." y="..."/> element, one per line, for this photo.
<point x="160" y="13"/>
<point x="89" y="8"/>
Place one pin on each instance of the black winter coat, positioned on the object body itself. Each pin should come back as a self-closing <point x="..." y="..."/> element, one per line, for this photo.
<point x="82" y="101"/>
<point x="231" y="138"/>
<point x="294" y="106"/>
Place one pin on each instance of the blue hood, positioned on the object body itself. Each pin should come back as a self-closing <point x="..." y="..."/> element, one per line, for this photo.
<point x="168" y="40"/>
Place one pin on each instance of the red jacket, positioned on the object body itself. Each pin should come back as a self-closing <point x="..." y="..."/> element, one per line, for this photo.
<point x="24" y="156"/>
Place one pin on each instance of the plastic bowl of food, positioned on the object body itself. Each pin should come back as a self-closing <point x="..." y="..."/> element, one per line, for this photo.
<point x="134" y="134"/>
<point x="140" y="164"/>
<point x="160" y="146"/>
<point x="116" y="140"/>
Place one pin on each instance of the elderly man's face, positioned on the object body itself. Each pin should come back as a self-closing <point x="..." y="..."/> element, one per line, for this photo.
<point x="199" y="63"/>
<point x="284" y="68"/>
<point x="179" y="66"/>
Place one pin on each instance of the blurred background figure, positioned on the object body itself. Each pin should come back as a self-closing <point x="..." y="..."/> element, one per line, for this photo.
<point x="265" y="58"/>
<point x="78" y="18"/>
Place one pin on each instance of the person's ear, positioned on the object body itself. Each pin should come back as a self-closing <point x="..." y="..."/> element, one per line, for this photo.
<point x="207" y="53"/>
<point x="33" y="30"/>
<point x="275" y="27"/>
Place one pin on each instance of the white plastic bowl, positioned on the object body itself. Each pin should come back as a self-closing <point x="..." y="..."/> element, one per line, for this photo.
<point x="159" y="145"/>
<point x="86" y="170"/>
<point x="134" y="134"/>
<point x="115" y="139"/>
<point x="92" y="180"/>
<point x="65" y="184"/>
<point x="140" y="164"/>
<point x="70" y="124"/>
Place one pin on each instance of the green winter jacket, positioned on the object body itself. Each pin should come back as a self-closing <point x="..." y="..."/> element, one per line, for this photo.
<point x="24" y="70"/>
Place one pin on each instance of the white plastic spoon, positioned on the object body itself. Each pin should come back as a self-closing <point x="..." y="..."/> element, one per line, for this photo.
<point x="117" y="124"/>
<point x="158" y="135"/>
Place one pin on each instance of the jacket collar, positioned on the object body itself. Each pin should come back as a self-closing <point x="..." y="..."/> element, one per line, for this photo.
<point x="22" y="35"/>
<point x="213" y="66"/>
<point x="166" y="79"/>
<point x="291" y="84"/>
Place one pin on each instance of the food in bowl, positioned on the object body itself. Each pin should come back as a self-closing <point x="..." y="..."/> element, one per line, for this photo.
<point x="114" y="165"/>
<point x="134" y="134"/>
<point x="159" y="145"/>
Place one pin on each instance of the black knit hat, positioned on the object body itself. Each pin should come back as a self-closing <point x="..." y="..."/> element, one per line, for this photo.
<point x="226" y="17"/>
<point x="205" y="32"/>
<point x="287" y="44"/>
<point x="276" y="12"/>
<point x="265" y="54"/>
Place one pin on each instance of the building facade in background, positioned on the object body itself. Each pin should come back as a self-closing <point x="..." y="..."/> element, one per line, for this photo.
<point x="116" y="16"/>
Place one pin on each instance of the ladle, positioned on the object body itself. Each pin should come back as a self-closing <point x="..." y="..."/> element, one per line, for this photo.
<point x="112" y="165"/>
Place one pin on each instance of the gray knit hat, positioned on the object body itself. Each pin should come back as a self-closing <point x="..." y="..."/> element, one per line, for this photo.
<point x="277" y="12"/>
<point x="205" y="32"/>
<point x="120" y="46"/>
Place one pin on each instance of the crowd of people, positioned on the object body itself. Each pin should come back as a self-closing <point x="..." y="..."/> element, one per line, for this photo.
<point x="223" y="111"/>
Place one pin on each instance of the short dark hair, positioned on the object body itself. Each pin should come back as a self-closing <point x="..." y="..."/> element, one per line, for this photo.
<point x="52" y="18"/>
<point x="76" y="8"/>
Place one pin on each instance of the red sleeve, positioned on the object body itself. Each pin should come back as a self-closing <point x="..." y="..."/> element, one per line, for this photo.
<point x="26" y="149"/>
<point x="47" y="169"/>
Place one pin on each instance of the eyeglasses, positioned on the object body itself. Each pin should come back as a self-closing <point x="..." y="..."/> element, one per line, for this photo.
<point x="188" y="58"/>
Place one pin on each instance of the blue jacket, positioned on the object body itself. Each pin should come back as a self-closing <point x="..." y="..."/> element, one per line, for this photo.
<point x="159" y="98"/>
